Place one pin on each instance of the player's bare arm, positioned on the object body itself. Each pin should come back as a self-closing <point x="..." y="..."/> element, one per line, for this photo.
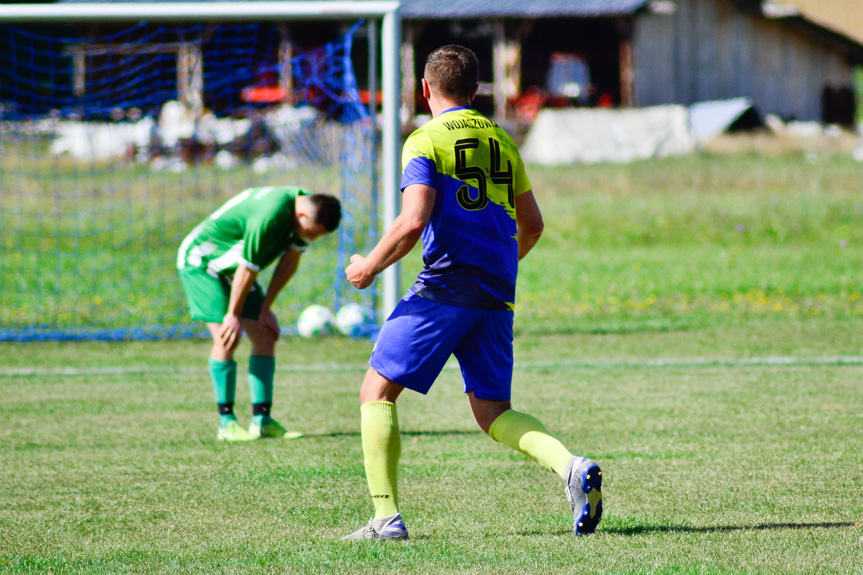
<point x="232" y="328"/>
<point x="529" y="221"/>
<point x="285" y="269"/>
<point x="399" y="239"/>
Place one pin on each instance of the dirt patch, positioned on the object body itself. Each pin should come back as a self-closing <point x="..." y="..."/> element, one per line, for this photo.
<point x="767" y="142"/>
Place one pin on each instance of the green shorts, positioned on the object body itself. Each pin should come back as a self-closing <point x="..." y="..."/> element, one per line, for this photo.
<point x="209" y="297"/>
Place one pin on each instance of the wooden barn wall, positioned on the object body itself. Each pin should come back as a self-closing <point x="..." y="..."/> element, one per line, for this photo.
<point x="709" y="50"/>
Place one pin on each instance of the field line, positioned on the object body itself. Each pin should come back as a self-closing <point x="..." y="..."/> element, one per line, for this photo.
<point x="770" y="361"/>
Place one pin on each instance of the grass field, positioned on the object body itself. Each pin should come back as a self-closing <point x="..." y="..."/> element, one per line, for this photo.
<point x="695" y="325"/>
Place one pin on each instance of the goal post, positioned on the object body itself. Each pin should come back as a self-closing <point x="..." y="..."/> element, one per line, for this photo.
<point x="385" y="13"/>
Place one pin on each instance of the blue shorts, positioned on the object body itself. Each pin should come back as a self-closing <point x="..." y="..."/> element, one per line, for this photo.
<point x="418" y="338"/>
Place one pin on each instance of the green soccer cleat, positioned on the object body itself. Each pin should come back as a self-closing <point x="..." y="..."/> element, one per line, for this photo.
<point x="273" y="429"/>
<point x="385" y="529"/>
<point x="234" y="432"/>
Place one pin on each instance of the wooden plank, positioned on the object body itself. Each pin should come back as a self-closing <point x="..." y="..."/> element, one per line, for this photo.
<point x="499" y="71"/>
<point x="625" y="55"/>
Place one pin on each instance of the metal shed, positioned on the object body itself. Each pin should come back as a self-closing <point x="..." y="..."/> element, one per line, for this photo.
<point x="718" y="49"/>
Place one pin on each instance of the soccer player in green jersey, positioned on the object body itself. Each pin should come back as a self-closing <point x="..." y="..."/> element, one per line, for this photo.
<point x="466" y="193"/>
<point x="219" y="262"/>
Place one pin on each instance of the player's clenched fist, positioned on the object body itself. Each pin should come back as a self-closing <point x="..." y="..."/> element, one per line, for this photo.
<point x="357" y="274"/>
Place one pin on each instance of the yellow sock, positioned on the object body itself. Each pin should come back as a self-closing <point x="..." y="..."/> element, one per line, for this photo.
<point x="526" y="434"/>
<point x="382" y="447"/>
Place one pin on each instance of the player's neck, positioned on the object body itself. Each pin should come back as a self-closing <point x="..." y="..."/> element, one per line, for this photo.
<point x="440" y="105"/>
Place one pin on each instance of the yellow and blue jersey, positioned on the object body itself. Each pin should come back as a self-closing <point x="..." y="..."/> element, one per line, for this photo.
<point x="470" y="246"/>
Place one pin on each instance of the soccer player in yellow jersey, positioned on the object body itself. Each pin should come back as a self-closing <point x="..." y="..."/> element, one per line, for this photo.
<point x="466" y="193"/>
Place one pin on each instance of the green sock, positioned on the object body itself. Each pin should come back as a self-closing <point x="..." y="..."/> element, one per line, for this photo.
<point x="526" y="434"/>
<point x="262" y="369"/>
<point x="224" y="376"/>
<point x="381" y="450"/>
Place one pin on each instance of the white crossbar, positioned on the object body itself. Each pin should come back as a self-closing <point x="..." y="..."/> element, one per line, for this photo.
<point x="193" y="11"/>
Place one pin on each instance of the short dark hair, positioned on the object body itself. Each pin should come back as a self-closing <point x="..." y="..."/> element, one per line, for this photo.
<point x="452" y="71"/>
<point x="327" y="211"/>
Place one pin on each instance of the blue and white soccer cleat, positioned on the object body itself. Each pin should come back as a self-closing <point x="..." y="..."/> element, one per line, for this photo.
<point x="584" y="492"/>
<point x="386" y="529"/>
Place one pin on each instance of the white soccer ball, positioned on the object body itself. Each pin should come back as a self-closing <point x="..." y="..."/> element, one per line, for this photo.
<point x="353" y="318"/>
<point x="315" y="320"/>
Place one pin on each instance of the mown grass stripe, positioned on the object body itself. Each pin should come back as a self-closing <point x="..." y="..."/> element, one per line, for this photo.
<point x="770" y="361"/>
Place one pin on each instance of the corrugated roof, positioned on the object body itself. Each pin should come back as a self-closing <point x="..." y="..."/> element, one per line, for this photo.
<point x="518" y="8"/>
<point x="434" y="9"/>
<point x="845" y="17"/>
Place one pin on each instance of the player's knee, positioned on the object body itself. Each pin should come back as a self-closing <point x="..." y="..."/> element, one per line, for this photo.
<point x="376" y="387"/>
<point x="263" y="340"/>
<point x="486" y="412"/>
<point x="266" y="338"/>
<point x="484" y="423"/>
<point x="233" y="347"/>
<point x="224" y="352"/>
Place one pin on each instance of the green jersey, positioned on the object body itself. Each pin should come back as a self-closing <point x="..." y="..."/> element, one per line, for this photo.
<point x="252" y="229"/>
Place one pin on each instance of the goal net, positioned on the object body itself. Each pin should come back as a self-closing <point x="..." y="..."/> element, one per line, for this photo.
<point x="116" y="140"/>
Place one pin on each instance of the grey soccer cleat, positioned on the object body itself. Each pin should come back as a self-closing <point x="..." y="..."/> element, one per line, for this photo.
<point x="387" y="529"/>
<point x="584" y="492"/>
